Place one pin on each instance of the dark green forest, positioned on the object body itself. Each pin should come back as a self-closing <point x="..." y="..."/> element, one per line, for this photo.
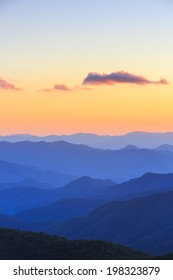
<point x="20" y="245"/>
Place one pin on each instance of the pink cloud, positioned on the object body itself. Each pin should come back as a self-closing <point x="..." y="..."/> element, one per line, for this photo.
<point x="7" y="86"/>
<point x="61" y="87"/>
<point x="82" y="88"/>
<point x="120" y="77"/>
<point x="47" y="90"/>
<point x="57" y="87"/>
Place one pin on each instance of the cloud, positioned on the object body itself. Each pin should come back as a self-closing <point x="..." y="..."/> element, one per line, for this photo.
<point x="82" y="88"/>
<point x="120" y="77"/>
<point x="61" y="87"/>
<point x="46" y="89"/>
<point x="7" y="86"/>
<point x="57" y="87"/>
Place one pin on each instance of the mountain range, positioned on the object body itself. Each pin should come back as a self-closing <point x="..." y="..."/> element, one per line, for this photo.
<point x="123" y="196"/>
<point x="11" y="172"/>
<point x="137" y="213"/>
<point x="79" y="160"/>
<point x="20" y="198"/>
<point x="143" y="224"/>
<point x="145" y="185"/>
<point x="139" y="139"/>
<point x="83" y="195"/>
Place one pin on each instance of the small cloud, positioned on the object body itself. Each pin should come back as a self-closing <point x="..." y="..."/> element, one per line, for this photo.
<point x="57" y="87"/>
<point x="47" y="90"/>
<point x="163" y="82"/>
<point x="120" y="77"/>
<point x="82" y="88"/>
<point x="61" y="87"/>
<point x="8" y="86"/>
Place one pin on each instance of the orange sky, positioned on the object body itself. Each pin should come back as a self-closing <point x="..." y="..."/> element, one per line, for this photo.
<point x="108" y="110"/>
<point x="59" y="50"/>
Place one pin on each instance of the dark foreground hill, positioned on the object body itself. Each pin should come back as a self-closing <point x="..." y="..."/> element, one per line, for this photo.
<point x="18" y="245"/>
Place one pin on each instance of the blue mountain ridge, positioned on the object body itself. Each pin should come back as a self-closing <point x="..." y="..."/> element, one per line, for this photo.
<point x="136" y="138"/>
<point x="79" y="160"/>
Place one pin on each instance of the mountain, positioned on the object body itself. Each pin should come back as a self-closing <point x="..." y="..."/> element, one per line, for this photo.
<point x="83" y="195"/>
<point x="149" y="183"/>
<point x="10" y="222"/>
<point x="129" y="147"/>
<point x="31" y="182"/>
<point x="84" y="187"/>
<point x="165" y="148"/>
<point x="61" y="210"/>
<point x="80" y="160"/>
<point x="139" y="139"/>
<point x="143" y="224"/>
<point x="21" y="198"/>
<point x="17" y="199"/>
<point x="19" y="245"/>
<point x="11" y="172"/>
<point x="26" y="183"/>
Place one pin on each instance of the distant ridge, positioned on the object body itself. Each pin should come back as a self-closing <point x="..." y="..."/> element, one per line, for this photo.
<point x="11" y="172"/>
<point x="165" y="147"/>
<point x="25" y="197"/>
<point x="139" y="139"/>
<point x="130" y="147"/>
<point x="79" y="160"/>
<point x="145" y="185"/>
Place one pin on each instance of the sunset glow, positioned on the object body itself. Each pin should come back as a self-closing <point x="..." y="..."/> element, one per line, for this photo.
<point x="85" y="66"/>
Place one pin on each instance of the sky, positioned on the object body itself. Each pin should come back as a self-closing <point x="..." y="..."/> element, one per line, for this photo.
<point x="95" y="66"/>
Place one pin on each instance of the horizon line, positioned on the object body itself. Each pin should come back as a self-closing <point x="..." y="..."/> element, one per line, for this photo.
<point x="85" y="133"/>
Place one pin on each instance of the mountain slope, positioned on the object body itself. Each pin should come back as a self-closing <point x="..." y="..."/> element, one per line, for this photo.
<point x="10" y="222"/>
<point x="139" y="187"/>
<point x="145" y="224"/>
<point x="19" y="198"/>
<point x="165" y="148"/>
<point x="61" y="210"/>
<point x="18" y="245"/>
<point x="83" y="195"/>
<point x="84" y="187"/>
<point x="11" y="172"/>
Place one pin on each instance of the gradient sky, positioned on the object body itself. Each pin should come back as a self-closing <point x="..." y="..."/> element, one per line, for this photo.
<point x="48" y="49"/>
